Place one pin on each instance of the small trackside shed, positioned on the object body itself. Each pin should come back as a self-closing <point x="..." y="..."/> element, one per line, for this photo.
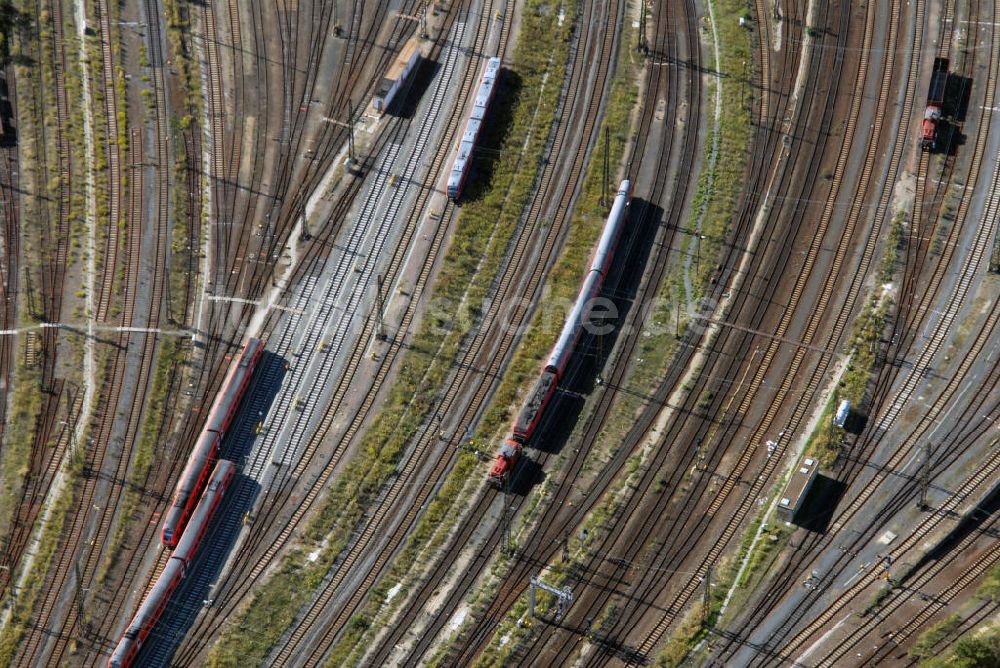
<point x="397" y="75"/>
<point x="798" y="488"/>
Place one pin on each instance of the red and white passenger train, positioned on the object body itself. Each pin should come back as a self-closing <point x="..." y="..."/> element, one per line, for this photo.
<point x="533" y="409"/>
<point x="175" y="570"/>
<point x="206" y="450"/>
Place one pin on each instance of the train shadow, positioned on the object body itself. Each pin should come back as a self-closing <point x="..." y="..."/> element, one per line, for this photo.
<point x="970" y="523"/>
<point x="8" y="132"/>
<point x="271" y="370"/>
<point x="196" y="590"/>
<point x="818" y="506"/>
<point x="588" y="369"/>
<point x="405" y="105"/>
<point x="528" y="474"/>
<point x="496" y="127"/>
<point x="958" y="91"/>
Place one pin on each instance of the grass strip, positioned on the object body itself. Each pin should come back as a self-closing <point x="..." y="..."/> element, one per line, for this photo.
<point x="24" y="606"/>
<point x="980" y="649"/>
<point x="445" y="509"/>
<point x="19" y="437"/>
<point x="925" y="646"/>
<point x="25" y="393"/>
<point x="155" y="424"/>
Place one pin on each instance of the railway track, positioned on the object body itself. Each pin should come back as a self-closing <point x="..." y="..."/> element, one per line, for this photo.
<point x="329" y="414"/>
<point x="949" y="391"/>
<point x="610" y="639"/>
<point x="973" y="264"/>
<point x="161" y="227"/>
<point x="74" y="563"/>
<point x="585" y="503"/>
<point x="676" y="40"/>
<point x="10" y="267"/>
<point x="652" y="514"/>
<point x="913" y="586"/>
<point x="624" y="450"/>
<point x="10" y="270"/>
<point x="428" y="437"/>
<point x="53" y="234"/>
<point x="470" y="77"/>
<point x="457" y="592"/>
<point x="215" y="88"/>
<point x="667" y="619"/>
<point x="105" y="295"/>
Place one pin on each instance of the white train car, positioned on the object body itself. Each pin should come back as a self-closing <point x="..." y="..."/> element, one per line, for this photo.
<point x="594" y="280"/>
<point x="463" y="157"/>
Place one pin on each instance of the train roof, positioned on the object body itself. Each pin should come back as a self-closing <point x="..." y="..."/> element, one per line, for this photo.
<point x="473" y="123"/>
<point x="534" y="403"/>
<point x="165" y="584"/>
<point x="508" y="450"/>
<point x="203" y="512"/>
<point x="249" y="350"/>
<point x="471" y="131"/>
<point x="798" y="486"/>
<point x="196" y="462"/>
<point x="410" y="49"/>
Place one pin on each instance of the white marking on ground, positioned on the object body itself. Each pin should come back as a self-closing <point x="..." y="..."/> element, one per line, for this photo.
<point x="393" y="591"/>
<point x="822" y="639"/>
<point x="458" y="618"/>
<point x="777" y="34"/>
<point x="861" y="570"/>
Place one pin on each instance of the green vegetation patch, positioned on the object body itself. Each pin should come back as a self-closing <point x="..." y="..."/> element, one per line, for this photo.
<point x="24" y="607"/>
<point x="19" y="437"/>
<point x="924" y="647"/>
<point x="688" y="633"/>
<point x="979" y="651"/>
<point x="484" y="229"/>
<point x="824" y="443"/>
<point x="719" y="186"/>
<point x="990" y="588"/>
<point x="178" y="16"/>
<point x="154" y="426"/>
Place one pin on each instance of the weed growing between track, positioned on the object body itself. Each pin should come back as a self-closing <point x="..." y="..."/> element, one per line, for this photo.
<point x="157" y="419"/>
<point x="562" y="287"/>
<point x="484" y="229"/>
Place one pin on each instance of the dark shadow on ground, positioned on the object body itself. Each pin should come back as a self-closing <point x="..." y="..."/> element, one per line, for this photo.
<point x="589" y="361"/>
<point x="496" y="126"/>
<point x="819" y="504"/>
<point x="195" y="591"/>
<point x="407" y="99"/>
<point x="972" y="522"/>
